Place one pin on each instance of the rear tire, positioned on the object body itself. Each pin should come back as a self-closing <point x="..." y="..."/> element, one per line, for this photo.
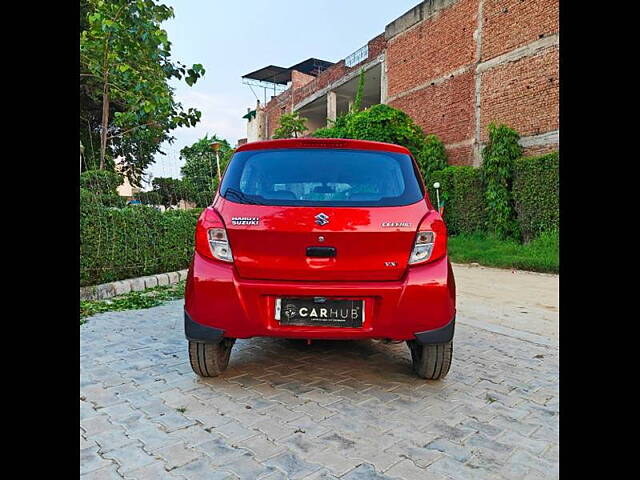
<point x="431" y="361"/>
<point x="210" y="360"/>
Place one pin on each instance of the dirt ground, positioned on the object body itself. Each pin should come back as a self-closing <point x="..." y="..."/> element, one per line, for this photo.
<point x="515" y="299"/>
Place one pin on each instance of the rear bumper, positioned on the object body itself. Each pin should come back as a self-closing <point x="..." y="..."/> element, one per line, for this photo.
<point x="197" y="332"/>
<point x="218" y="304"/>
<point x="439" y="335"/>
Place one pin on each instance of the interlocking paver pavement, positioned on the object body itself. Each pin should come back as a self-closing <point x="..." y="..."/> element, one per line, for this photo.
<point x="285" y="409"/>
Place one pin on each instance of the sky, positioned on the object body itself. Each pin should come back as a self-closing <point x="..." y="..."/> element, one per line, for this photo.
<point x="233" y="38"/>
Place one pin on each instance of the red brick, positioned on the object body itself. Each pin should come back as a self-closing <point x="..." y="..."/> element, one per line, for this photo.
<point x="433" y="48"/>
<point x="460" y="155"/>
<point x="522" y="94"/>
<point x="299" y="79"/>
<point x="376" y="46"/>
<point x="446" y="109"/>
<point x="274" y="110"/>
<point x="509" y="24"/>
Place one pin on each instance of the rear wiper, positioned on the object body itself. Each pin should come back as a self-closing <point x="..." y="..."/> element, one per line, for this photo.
<point x="241" y="196"/>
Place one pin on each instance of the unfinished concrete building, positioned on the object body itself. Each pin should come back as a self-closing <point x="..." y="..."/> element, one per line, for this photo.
<point x="453" y="65"/>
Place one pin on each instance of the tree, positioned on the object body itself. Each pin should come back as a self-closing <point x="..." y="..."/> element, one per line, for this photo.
<point x="380" y="123"/>
<point x="166" y="191"/>
<point x="169" y="191"/>
<point x="152" y="197"/>
<point x="292" y="125"/>
<point x="498" y="157"/>
<point x="200" y="171"/>
<point x="126" y="100"/>
<point x="432" y="157"/>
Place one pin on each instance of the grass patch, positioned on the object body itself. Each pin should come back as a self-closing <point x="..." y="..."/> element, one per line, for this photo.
<point x="540" y="255"/>
<point x="151" y="297"/>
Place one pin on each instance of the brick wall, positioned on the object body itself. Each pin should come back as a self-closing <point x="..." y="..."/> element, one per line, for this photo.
<point x="299" y="79"/>
<point x="376" y="46"/>
<point x="327" y="77"/>
<point x="282" y="103"/>
<point x="509" y="24"/>
<point x="274" y="109"/>
<point x="456" y="65"/>
<point x="445" y="108"/>
<point x="523" y="94"/>
<point x="433" y="48"/>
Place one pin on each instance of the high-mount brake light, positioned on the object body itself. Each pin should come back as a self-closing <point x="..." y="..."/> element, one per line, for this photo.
<point x="211" y="237"/>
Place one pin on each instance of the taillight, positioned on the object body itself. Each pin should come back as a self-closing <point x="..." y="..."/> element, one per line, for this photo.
<point x="211" y="237"/>
<point x="431" y="240"/>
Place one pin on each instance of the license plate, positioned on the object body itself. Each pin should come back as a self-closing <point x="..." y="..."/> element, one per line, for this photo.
<point x="320" y="311"/>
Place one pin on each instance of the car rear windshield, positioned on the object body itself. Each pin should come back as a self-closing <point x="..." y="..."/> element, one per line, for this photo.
<point x="317" y="177"/>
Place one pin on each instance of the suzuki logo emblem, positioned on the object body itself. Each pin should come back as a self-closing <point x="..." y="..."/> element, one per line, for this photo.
<point x="322" y="219"/>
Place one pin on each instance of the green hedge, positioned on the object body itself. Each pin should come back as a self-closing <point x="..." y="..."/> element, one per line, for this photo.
<point x="536" y="184"/>
<point x="106" y="199"/>
<point x="535" y="188"/>
<point x="116" y="244"/>
<point x="100" y="186"/>
<point x="101" y="181"/>
<point x="465" y="208"/>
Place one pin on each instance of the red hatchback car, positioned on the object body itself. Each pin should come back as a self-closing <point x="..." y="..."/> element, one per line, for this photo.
<point x="321" y="239"/>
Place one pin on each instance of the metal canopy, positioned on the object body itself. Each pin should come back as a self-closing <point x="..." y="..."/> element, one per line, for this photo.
<point x="311" y="66"/>
<point x="281" y="75"/>
<point x="271" y="74"/>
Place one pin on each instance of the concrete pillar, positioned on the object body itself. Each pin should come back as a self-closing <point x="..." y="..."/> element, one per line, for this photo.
<point x="383" y="81"/>
<point x="331" y="106"/>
